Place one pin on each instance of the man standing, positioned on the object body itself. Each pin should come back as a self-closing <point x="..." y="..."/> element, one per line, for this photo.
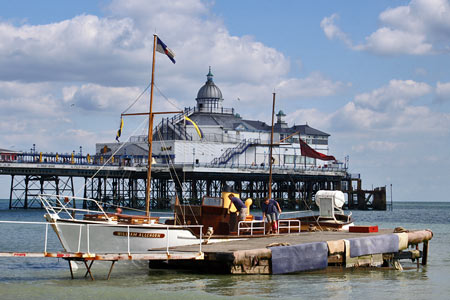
<point x="240" y="206"/>
<point x="271" y="209"/>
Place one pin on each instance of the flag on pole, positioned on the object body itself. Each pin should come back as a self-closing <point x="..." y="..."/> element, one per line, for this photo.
<point x="310" y="152"/>
<point x="119" y="132"/>
<point x="162" y="48"/>
<point x="199" y="131"/>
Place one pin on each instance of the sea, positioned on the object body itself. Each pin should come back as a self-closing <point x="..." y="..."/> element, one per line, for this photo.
<point x="49" y="278"/>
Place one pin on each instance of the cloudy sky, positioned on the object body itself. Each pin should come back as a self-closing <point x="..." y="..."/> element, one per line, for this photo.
<point x="373" y="74"/>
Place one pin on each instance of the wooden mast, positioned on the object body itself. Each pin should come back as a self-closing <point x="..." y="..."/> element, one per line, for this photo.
<point x="270" y="152"/>
<point x="150" y="136"/>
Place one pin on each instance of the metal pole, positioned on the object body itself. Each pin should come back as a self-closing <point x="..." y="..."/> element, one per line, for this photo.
<point x="270" y="155"/>
<point x="392" y="203"/>
<point x="150" y="136"/>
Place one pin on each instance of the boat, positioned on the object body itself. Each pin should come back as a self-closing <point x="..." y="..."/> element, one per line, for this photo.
<point x="214" y="220"/>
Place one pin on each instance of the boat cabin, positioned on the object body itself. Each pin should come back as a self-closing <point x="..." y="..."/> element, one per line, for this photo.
<point x="215" y="213"/>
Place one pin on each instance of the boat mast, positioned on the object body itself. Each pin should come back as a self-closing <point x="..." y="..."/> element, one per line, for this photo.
<point x="150" y="135"/>
<point x="270" y="152"/>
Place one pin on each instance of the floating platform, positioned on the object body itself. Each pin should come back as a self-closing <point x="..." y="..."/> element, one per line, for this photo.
<point x="280" y="254"/>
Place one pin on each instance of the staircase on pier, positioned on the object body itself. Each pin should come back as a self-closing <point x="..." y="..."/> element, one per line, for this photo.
<point x="231" y="152"/>
<point x="172" y="128"/>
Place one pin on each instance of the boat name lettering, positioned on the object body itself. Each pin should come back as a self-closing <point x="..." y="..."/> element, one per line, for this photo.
<point x="168" y="148"/>
<point x="140" y="234"/>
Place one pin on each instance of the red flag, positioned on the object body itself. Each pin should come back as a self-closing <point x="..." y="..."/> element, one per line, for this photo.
<point x="310" y="152"/>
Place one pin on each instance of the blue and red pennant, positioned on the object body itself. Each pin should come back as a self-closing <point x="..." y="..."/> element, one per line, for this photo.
<point x="162" y="48"/>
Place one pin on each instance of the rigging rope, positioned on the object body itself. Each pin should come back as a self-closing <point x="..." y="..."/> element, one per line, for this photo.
<point x="170" y="166"/>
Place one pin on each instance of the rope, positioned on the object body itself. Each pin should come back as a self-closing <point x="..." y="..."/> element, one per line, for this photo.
<point x="137" y="99"/>
<point x="170" y="166"/>
<point x="109" y="159"/>
<point x="166" y="98"/>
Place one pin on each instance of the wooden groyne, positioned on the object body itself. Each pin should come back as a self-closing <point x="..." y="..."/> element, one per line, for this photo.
<point x="280" y="254"/>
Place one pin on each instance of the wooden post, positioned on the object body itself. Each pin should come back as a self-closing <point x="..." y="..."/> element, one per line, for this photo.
<point x="425" y="253"/>
<point x="270" y="152"/>
<point x="150" y="136"/>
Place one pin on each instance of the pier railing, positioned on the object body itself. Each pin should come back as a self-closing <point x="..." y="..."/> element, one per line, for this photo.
<point x="255" y="227"/>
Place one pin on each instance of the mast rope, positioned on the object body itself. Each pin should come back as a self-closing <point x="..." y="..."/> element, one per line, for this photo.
<point x="171" y="165"/>
<point x="137" y="99"/>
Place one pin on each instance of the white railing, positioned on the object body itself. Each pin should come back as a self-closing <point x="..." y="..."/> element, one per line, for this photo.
<point x="62" y="204"/>
<point x="32" y="223"/>
<point x="88" y="234"/>
<point x="289" y="226"/>
<point x="246" y="226"/>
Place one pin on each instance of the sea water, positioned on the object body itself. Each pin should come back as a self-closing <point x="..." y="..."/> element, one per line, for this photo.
<point x="49" y="278"/>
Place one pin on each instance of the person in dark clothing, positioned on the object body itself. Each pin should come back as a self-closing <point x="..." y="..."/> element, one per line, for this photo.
<point x="240" y="206"/>
<point x="270" y="209"/>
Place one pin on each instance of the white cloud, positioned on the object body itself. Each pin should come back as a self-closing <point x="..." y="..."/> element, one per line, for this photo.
<point x="386" y="111"/>
<point x="312" y="117"/>
<point x="315" y="85"/>
<point x="443" y="91"/>
<point x="332" y="31"/>
<point x="376" y="146"/>
<point x="96" y="97"/>
<point x="85" y="48"/>
<point x="389" y="41"/>
<point x="421" y="27"/>
<point x="396" y="95"/>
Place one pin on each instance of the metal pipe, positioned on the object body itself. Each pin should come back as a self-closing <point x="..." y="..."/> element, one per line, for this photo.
<point x="46" y="235"/>
<point x="128" y="239"/>
<point x="87" y="235"/>
<point x="270" y="152"/>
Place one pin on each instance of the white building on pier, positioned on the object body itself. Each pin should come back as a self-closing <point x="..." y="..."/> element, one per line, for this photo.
<point x="225" y="139"/>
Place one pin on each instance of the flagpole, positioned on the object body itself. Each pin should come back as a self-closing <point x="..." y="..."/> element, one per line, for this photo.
<point x="270" y="152"/>
<point x="150" y="136"/>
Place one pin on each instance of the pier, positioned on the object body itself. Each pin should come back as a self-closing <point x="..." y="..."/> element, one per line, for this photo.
<point x="121" y="180"/>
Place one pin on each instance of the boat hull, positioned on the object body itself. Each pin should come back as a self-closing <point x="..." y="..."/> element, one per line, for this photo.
<point x="87" y="237"/>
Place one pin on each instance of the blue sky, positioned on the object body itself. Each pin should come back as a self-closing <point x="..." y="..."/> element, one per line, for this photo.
<point x="373" y="74"/>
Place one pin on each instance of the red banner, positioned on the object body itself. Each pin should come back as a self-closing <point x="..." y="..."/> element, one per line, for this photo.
<point x="310" y="152"/>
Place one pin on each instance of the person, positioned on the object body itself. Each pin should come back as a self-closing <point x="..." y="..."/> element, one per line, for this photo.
<point x="118" y="211"/>
<point x="240" y="206"/>
<point x="270" y="209"/>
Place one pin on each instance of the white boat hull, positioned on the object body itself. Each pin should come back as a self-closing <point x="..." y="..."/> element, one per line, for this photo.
<point x="88" y="237"/>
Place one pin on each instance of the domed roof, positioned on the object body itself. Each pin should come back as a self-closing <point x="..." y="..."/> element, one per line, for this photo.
<point x="209" y="90"/>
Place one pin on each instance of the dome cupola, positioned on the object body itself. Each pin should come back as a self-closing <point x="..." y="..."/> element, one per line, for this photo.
<point x="209" y="97"/>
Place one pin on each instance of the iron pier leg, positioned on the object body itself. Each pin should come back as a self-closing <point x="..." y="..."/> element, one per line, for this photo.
<point x="110" y="269"/>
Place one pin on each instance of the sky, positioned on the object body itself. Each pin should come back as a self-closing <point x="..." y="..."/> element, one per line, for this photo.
<point x="373" y="74"/>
